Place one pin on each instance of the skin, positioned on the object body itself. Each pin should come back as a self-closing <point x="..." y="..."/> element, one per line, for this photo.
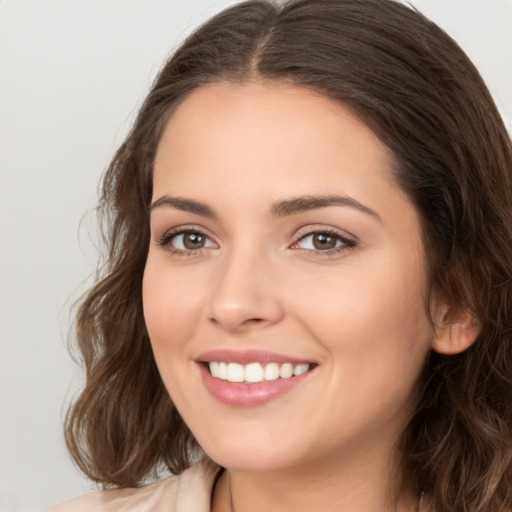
<point x="258" y="283"/>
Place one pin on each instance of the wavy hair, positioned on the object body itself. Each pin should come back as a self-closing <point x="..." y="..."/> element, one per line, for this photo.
<point x="419" y="93"/>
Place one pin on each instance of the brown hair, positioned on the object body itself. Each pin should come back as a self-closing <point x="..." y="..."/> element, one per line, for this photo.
<point x="416" y="89"/>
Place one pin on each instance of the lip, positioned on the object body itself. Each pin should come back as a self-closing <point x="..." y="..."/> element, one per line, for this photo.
<point x="241" y="394"/>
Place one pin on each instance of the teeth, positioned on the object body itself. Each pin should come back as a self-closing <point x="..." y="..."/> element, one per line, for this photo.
<point x="286" y="371"/>
<point x="235" y="372"/>
<point x="300" y="369"/>
<point x="223" y="371"/>
<point x="255" y="372"/>
<point x="214" y="368"/>
<point x="272" y="371"/>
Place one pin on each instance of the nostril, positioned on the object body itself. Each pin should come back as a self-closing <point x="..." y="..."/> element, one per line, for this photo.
<point x="234" y="325"/>
<point x="252" y="321"/>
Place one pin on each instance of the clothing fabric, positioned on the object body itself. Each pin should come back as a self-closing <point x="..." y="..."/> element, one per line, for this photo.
<point x="189" y="492"/>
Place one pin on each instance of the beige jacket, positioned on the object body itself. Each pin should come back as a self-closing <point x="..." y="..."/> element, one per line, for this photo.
<point x="188" y="492"/>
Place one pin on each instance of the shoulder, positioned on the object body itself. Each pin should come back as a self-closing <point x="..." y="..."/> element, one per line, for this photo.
<point x="190" y="490"/>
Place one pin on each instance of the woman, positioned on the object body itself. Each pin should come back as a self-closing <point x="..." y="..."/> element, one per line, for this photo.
<point x="307" y="301"/>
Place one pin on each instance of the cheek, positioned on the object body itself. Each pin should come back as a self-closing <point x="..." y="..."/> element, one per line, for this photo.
<point x="370" y="315"/>
<point x="171" y="311"/>
<point x="376" y="338"/>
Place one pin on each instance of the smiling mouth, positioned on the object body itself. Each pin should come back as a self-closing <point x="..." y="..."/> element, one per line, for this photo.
<point x="252" y="378"/>
<point x="256" y="372"/>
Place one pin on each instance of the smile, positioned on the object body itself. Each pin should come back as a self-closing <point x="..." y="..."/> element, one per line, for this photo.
<point x="252" y="378"/>
<point x="256" y="372"/>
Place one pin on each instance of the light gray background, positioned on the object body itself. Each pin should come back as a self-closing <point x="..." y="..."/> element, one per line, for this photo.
<point x="72" y="73"/>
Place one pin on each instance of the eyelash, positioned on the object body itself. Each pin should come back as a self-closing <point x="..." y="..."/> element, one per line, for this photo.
<point x="346" y="243"/>
<point x="168" y="236"/>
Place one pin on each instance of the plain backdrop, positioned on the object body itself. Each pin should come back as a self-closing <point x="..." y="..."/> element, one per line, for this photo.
<point x="72" y="74"/>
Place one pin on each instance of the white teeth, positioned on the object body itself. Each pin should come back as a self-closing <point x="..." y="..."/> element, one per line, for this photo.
<point x="286" y="371"/>
<point x="272" y="371"/>
<point x="300" y="369"/>
<point x="235" y="372"/>
<point x="214" y="368"/>
<point x="223" y="371"/>
<point x="255" y="372"/>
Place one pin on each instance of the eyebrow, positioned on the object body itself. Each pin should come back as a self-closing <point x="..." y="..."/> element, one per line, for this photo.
<point x="281" y="208"/>
<point x="306" y="203"/>
<point x="184" y="204"/>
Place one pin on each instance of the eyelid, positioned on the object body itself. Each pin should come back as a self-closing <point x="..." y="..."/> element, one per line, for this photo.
<point x="165" y="238"/>
<point x="322" y="228"/>
<point x="315" y="227"/>
<point x="349" y="241"/>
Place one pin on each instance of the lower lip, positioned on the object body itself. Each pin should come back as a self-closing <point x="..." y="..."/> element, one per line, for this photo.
<point x="241" y="394"/>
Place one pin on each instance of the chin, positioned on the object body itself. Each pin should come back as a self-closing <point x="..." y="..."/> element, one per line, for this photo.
<point x="250" y="453"/>
<point x="249" y="462"/>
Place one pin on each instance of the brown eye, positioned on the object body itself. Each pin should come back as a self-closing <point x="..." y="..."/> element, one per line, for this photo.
<point x="324" y="241"/>
<point x="186" y="241"/>
<point x="193" y="241"/>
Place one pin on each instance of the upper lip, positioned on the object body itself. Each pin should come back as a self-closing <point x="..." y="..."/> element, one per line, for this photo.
<point x="248" y="356"/>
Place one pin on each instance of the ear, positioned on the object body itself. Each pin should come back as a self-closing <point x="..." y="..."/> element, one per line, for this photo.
<point x="456" y="330"/>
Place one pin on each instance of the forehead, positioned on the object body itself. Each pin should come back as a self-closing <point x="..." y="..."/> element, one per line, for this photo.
<point x="268" y="130"/>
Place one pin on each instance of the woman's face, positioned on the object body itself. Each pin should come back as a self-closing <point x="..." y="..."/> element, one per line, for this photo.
<point x="281" y="245"/>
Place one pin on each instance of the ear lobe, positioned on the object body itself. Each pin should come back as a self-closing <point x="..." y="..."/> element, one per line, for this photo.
<point x="456" y="332"/>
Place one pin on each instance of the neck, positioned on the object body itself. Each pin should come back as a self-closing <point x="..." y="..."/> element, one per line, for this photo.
<point x="352" y="488"/>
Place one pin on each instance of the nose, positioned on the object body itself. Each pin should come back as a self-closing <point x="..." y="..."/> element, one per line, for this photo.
<point x="245" y="294"/>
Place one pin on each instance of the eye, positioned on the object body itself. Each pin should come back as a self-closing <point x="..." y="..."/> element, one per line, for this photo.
<point x="324" y="242"/>
<point x="319" y="241"/>
<point x="185" y="241"/>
